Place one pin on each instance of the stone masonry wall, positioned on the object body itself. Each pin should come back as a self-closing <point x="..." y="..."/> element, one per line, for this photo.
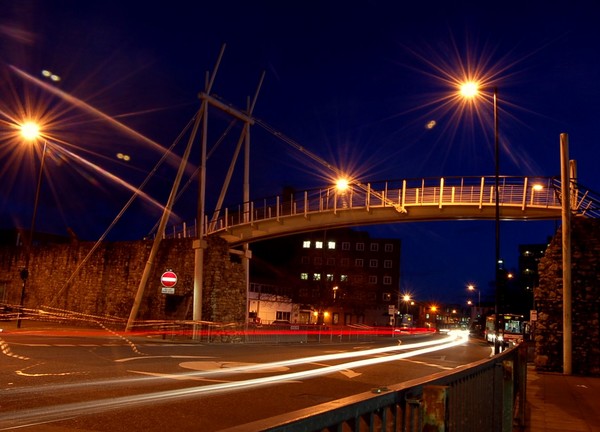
<point x="585" y="262"/>
<point x="107" y="283"/>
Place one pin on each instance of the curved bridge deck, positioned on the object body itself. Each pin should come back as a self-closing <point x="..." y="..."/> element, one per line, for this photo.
<point x="520" y="198"/>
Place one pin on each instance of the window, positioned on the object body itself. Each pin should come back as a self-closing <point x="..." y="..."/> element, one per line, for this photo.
<point x="303" y="292"/>
<point x="346" y="246"/>
<point x="319" y="244"/>
<point x="316" y="276"/>
<point x="387" y="280"/>
<point x="345" y="262"/>
<point x="331" y="245"/>
<point x="374" y="247"/>
<point x="306" y="244"/>
<point x="304" y="276"/>
<point x="318" y="260"/>
<point x="360" y="246"/>
<point x="387" y="264"/>
<point x="344" y="278"/>
<point x="372" y="280"/>
<point x="330" y="261"/>
<point x="305" y="260"/>
<point x="284" y="316"/>
<point x="389" y="247"/>
<point x="359" y="262"/>
<point x="329" y="277"/>
<point x="373" y="263"/>
<point x="386" y="297"/>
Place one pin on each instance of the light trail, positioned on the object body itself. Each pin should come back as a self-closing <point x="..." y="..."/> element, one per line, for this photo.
<point x="62" y="412"/>
<point x="238" y="369"/>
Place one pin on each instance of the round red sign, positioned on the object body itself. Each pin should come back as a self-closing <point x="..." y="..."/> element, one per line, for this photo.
<point x="168" y="279"/>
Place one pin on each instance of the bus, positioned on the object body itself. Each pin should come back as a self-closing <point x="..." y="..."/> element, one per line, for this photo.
<point x="512" y="328"/>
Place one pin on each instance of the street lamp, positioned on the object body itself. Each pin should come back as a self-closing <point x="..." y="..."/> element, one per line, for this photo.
<point x="469" y="90"/>
<point x="406" y="299"/>
<point x="31" y="132"/>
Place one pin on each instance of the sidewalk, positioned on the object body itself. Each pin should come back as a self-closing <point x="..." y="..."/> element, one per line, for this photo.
<point x="561" y="403"/>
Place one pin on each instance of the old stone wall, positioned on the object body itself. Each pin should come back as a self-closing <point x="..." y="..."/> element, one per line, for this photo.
<point x="585" y="263"/>
<point x="108" y="281"/>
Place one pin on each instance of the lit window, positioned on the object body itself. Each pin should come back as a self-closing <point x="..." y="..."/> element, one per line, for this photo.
<point x="319" y="244"/>
<point x="358" y="262"/>
<point x="387" y="280"/>
<point x="329" y="277"/>
<point x="331" y="245"/>
<point x="306" y="244"/>
<point x="304" y="276"/>
<point x="374" y="247"/>
<point x="360" y="246"/>
<point x="317" y="276"/>
<point x="344" y="278"/>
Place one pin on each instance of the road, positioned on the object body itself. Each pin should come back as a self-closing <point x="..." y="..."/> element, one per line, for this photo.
<point x="107" y="382"/>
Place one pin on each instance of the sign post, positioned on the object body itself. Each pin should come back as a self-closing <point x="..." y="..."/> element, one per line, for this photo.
<point x="168" y="281"/>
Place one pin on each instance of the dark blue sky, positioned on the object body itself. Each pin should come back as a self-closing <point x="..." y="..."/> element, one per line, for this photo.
<point x="354" y="82"/>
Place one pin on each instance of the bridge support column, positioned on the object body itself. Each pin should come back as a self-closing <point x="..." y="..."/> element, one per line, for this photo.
<point x="199" y="246"/>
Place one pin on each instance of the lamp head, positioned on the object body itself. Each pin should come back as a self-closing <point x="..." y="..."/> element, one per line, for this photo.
<point x="30" y="130"/>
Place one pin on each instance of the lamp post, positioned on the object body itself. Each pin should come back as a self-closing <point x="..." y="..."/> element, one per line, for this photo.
<point x="470" y="90"/>
<point x="30" y="131"/>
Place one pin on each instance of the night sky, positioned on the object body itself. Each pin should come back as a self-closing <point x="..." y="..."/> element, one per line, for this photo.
<point x="354" y="82"/>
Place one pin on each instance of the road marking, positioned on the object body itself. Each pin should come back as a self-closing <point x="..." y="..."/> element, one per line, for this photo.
<point x="235" y="367"/>
<point x="348" y="373"/>
<point x="178" y="377"/>
<point x="123" y="360"/>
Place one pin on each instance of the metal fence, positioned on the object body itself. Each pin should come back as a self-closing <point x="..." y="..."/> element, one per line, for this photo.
<point x="488" y="395"/>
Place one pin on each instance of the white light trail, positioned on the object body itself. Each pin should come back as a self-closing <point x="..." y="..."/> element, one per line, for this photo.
<point x="60" y="412"/>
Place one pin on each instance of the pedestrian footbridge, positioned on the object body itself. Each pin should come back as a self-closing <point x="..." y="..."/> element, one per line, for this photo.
<point x="413" y="200"/>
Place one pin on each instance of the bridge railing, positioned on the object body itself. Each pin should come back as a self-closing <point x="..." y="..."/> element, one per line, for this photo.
<point x="488" y="395"/>
<point x="400" y="194"/>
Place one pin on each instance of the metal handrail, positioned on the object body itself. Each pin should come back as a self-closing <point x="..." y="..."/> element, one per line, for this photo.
<point x="402" y="195"/>
<point x="488" y="395"/>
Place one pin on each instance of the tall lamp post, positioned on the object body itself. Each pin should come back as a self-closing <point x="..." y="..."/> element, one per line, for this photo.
<point x="470" y="90"/>
<point x="31" y="132"/>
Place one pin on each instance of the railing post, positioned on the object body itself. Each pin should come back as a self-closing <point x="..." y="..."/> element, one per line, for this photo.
<point x="441" y="192"/>
<point x="368" y="197"/>
<point x="305" y="204"/>
<point x="335" y="202"/>
<point x="525" y="194"/>
<point x="481" y="192"/>
<point x="403" y="193"/>
<point x="435" y="411"/>
<point x="277" y="211"/>
<point x="508" y="380"/>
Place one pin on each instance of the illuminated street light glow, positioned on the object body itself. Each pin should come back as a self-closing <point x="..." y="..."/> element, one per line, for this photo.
<point x="538" y="187"/>
<point x="469" y="89"/>
<point x="342" y="184"/>
<point x="30" y="130"/>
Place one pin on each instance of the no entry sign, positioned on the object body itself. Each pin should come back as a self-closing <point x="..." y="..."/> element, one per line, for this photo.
<point x="168" y="279"/>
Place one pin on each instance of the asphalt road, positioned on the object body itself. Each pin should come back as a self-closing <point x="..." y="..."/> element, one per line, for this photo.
<point x="64" y="382"/>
